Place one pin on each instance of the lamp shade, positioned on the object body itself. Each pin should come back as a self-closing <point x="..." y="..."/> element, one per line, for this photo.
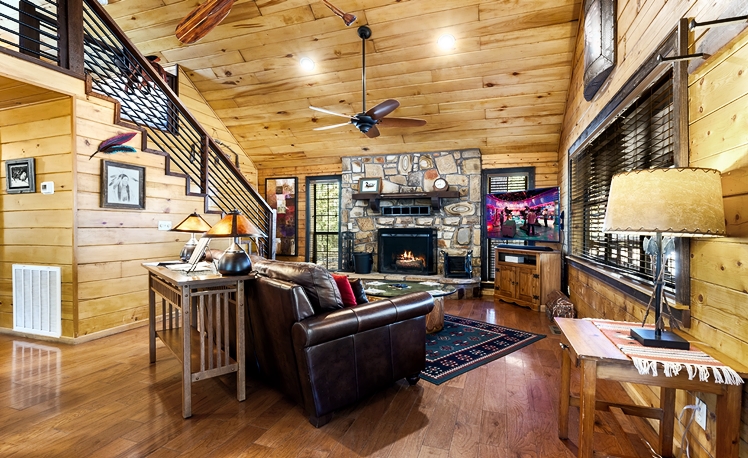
<point x="681" y="202"/>
<point x="193" y="223"/>
<point x="234" y="224"/>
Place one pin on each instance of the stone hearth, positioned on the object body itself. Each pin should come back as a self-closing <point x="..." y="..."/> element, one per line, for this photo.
<point x="458" y="220"/>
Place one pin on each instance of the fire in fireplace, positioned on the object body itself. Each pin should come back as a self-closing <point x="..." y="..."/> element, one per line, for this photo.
<point x="407" y="251"/>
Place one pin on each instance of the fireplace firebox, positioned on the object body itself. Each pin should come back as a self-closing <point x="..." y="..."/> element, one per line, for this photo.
<point x="407" y="251"/>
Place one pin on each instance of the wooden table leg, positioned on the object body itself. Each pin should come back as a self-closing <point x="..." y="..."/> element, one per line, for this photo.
<point x="587" y="407"/>
<point x="728" y="421"/>
<point x="151" y="322"/>
<point x="241" y="387"/>
<point x="563" y="408"/>
<point x="187" y="354"/>
<point x="667" y="424"/>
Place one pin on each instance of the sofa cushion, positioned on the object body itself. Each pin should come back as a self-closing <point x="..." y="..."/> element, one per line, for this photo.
<point x="317" y="282"/>
<point x="358" y="290"/>
<point x="346" y="292"/>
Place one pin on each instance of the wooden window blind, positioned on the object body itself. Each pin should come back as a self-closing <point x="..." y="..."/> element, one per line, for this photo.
<point x="641" y="137"/>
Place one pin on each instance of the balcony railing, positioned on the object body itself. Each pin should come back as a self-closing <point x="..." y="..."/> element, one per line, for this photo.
<point x="81" y="39"/>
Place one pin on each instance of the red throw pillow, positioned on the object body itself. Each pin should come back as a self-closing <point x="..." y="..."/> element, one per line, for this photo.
<point x="346" y="292"/>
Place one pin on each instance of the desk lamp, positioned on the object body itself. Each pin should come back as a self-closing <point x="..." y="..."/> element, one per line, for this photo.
<point x="234" y="261"/>
<point x="674" y="202"/>
<point x="194" y="224"/>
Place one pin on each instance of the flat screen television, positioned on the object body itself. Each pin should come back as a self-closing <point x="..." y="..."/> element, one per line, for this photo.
<point x="509" y="214"/>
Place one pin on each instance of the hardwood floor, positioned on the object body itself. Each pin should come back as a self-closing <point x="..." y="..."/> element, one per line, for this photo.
<point x="104" y="399"/>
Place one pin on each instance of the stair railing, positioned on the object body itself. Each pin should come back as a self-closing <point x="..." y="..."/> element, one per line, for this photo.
<point x="116" y="69"/>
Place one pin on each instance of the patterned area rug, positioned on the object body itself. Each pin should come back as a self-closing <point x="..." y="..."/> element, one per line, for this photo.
<point x="465" y="344"/>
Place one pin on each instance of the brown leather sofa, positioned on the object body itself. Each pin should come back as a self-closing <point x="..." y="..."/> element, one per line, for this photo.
<point x="325" y="356"/>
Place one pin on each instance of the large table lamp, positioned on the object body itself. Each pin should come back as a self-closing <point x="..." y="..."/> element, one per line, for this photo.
<point x="674" y="202"/>
<point x="194" y="224"/>
<point x="234" y="261"/>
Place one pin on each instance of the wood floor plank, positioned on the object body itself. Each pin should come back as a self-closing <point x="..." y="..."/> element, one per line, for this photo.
<point x="104" y="398"/>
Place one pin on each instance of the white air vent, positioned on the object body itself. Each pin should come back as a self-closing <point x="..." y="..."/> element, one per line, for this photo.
<point x="37" y="306"/>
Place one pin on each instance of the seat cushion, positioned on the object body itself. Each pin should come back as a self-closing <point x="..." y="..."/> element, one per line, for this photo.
<point x="317" y="282"/>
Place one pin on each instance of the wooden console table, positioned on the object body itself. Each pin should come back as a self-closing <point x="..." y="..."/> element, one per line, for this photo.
<point x="586" y="347"/>
<point x="200" y="303"/>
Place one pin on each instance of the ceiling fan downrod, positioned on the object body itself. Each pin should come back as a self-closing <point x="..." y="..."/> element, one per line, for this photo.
<point x="365" y="33"/>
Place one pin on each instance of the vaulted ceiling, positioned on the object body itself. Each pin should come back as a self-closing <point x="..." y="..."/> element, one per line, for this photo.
<point x="502" y="88"/>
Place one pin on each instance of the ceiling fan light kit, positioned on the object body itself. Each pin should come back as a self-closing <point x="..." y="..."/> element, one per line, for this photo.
<point x="367" y="120"/>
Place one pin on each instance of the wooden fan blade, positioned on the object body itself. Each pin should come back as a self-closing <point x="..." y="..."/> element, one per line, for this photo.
<point x="331" y="127"/>
<point x="383" y="109"/>
<point x="402" y="122"/>
<point x="373" y="132"/>
<point x="202" y="20"/>
<point x="330" y="112"/>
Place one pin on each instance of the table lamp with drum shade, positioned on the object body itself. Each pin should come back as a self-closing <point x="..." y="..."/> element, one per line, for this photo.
<point x="194" y="224"/>
<point x="674" y="202"/>
<point x="234" y="261"/>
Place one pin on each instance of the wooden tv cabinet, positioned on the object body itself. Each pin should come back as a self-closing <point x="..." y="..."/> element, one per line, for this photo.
<point x="526" y="277"/>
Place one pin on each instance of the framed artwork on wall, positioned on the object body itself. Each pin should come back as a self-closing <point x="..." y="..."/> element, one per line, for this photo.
<point x="280" y="193"/>
<point x="369" y="185"/>
<point x="122" y="185"/>
<point x="20" y="176"/>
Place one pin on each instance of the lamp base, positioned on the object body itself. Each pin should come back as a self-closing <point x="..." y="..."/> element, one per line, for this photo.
<point x="234" y="262"/>
<point x="186" y="253"/>
<point x="667" y="339"/>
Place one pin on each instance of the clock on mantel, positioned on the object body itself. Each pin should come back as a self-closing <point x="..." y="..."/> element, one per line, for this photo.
<point x="440" y="184"/>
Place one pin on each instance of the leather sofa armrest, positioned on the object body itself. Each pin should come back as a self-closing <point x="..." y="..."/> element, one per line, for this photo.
<point x="340" y="323"/>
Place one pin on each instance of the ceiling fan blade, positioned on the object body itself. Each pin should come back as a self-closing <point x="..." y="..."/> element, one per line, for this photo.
<point x="347" y="17"/>
<point x="373" y="132"/>
<point x="331" y="127"/>
<point x="330" y="112"/>
<point x="202" y="20"/>
<point x="402" y="122"/>
<point x="383" y="109"/>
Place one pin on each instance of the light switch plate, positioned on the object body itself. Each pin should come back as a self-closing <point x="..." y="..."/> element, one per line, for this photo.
<point x="164" y="225"/>
<point x="701" y="413"/>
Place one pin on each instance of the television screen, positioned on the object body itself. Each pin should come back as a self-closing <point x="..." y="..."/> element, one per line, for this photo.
<point x="524" y="215"/>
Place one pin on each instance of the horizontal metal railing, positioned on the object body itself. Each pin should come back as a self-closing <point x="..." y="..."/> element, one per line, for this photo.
<point x="118" y="70"/>
<point x="31" y="28"/>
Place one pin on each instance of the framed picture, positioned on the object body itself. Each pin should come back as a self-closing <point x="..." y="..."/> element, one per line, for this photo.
<point x="122" y="185"/>
<point x="20" y="176"/>
<point x="369" y="185"/>
<point x="280" y="193"/>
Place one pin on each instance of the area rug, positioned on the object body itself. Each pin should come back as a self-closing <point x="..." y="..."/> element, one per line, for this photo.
<point x="465" y="344"/>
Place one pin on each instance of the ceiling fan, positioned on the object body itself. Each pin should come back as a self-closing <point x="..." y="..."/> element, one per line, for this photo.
<point x="368" y="120"/>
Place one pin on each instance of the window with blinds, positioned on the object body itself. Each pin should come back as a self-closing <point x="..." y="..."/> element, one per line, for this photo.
<point x="640" y="138"/>
<point x="497" y="182"/>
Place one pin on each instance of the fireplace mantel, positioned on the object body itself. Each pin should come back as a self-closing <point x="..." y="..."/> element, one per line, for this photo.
<point x="435" y="196"/>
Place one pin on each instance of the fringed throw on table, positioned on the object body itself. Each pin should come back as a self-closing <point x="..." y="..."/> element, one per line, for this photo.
<point x="673" y="361"/>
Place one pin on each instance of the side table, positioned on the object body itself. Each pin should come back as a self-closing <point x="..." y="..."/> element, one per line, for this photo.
<point x="195" y="325"/>
<point x="390" y="288"/>
<point x="586" y="347"/>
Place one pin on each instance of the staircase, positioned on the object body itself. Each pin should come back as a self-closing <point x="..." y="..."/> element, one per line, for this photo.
<point x="116" y="69"/>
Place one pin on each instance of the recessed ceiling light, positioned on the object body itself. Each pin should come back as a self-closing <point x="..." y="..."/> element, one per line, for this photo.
<point x="446" y="41"/>
<point x="307" y="64"/>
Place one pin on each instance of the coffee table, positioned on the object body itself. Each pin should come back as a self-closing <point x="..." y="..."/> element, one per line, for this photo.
<point x="394" y="288"/>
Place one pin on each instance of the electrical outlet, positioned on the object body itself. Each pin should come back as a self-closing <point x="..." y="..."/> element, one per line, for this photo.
<point x="700" y="413"/>
<point x="164" y="225"/>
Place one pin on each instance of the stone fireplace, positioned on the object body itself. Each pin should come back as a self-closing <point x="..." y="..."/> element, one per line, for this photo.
<point x="454" y="220"/>
<point x="407" y="251"/>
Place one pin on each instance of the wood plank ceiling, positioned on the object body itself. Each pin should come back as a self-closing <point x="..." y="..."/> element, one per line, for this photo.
<point x="502" y="88"/>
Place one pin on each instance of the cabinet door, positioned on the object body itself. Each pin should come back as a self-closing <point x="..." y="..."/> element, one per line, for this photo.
<point x="506" y="279"/>
<point x="527" y="285"/>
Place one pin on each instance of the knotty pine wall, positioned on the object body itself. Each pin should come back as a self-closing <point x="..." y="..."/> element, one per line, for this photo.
<point x="37" y="228"/>
<point x="718" y="98"/>
<point x="200" y="109"/>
